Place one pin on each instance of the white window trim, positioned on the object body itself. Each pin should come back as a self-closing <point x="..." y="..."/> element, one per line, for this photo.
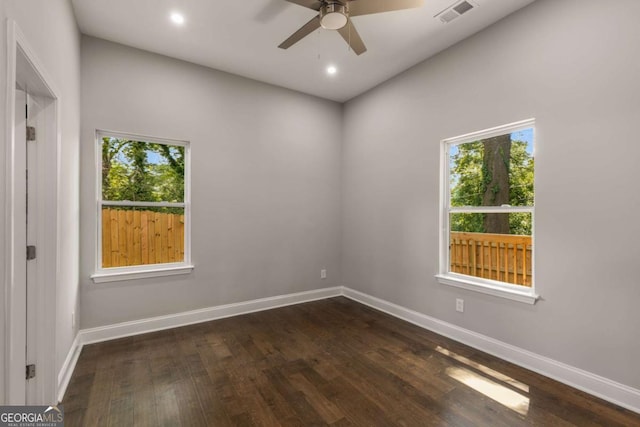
<point x="114" y="274"/>
<point x="477" y="284"/>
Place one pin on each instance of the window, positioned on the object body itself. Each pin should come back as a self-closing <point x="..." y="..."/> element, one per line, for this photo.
<point x="487" y="212"/>
<point x="143" y="207"/>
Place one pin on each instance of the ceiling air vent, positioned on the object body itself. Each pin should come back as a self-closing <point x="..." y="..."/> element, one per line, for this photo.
<point x="455" y="10"/>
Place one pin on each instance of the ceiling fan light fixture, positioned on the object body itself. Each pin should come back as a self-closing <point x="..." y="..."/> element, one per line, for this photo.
<point x="336" y="15"/>
<point x="333" y="16"/>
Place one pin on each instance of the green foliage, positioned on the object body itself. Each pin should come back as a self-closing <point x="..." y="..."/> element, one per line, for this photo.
<point x="469" y="175"/>
<point x="469" y="180"/>
<point x="142" y="171"/>
<point x="469" y="222"/>
<point x="521" y="175"/>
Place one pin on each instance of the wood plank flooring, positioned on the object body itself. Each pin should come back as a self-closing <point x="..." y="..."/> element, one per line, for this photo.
<point x="331" y="362"/>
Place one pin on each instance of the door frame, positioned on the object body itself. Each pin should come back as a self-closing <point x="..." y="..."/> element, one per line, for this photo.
<point x="23" y="65"/>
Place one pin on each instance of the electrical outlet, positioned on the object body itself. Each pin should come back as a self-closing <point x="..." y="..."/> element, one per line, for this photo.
<point x="323" y="273"/>
<point x="459" y="305"/>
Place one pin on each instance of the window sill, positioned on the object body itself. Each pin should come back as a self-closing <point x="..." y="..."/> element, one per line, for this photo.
<point x="527" y="296"/>
<point x="119" y="274"/>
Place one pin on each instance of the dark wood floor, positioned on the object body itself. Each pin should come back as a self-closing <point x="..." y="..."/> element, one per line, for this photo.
<point x="332" y="362"/>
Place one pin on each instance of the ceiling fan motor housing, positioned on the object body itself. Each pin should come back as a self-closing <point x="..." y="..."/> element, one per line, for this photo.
<point x="334" y="15"/>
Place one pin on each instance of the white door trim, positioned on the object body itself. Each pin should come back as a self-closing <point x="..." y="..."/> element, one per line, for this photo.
<point x="19" y="51"/>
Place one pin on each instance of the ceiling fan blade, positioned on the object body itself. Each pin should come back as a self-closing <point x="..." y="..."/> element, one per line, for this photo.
<point x="304" y="31"/>
<point x="311" y="4"/>
<point x="353" y="39"/>
<point x="367" y="7"/>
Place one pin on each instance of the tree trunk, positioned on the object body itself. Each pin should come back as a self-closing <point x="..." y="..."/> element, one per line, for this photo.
<point x="495" y="162"/>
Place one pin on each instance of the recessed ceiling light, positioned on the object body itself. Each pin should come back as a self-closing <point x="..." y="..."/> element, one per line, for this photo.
<point x="177" y="18"/>
<point x="331" y="70"/>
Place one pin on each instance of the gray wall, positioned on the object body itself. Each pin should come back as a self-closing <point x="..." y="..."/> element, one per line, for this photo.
<point x="266" y="181"/>
<point x="574" y="66"/>
<point x="50" y="29"/>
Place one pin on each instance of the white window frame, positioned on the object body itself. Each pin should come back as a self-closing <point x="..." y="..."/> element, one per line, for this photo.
<point x="478" y="284"/>
<point x="113" y="274"/>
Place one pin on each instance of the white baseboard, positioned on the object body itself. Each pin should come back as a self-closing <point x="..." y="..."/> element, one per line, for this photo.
<point x="614" y="392"/>
<point x="152" y="324"/>
<point x="69" y="365"/>
<point x="143" y="326"/>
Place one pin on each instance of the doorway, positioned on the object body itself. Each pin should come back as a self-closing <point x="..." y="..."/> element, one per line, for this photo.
<point x="31" y="228"/>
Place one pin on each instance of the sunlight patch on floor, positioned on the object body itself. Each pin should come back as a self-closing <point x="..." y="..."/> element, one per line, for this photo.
<point x="491" y="372"/>
<point x="501" y="394"/>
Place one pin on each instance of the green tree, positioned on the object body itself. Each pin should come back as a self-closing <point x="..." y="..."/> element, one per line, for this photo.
<point x="141" y="181"/>
<point x="496" y="160"/>
<point x="479" y="172"/>
<point x="142" y="171"/>
<point x="169" y="177"/>
<point x="110" y="180"/>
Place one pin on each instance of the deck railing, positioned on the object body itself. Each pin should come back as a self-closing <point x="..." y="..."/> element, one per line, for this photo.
<point x="502" y="257"/>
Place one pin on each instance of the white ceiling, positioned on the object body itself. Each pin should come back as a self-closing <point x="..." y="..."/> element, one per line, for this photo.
<point x="241" y="37"/>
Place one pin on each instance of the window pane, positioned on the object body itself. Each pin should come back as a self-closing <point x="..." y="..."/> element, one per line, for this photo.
<point x="503" y="254"/>
<point x="142" y="171"/>
<point x="494" y="171"/>
<point x="141" y="236"/>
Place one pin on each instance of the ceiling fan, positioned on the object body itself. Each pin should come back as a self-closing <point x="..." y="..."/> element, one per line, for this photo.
<point x="337" y="14"/>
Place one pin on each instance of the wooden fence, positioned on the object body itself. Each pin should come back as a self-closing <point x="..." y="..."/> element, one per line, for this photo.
<point x="138" y="237"/>
<point x="501" y="257"/>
